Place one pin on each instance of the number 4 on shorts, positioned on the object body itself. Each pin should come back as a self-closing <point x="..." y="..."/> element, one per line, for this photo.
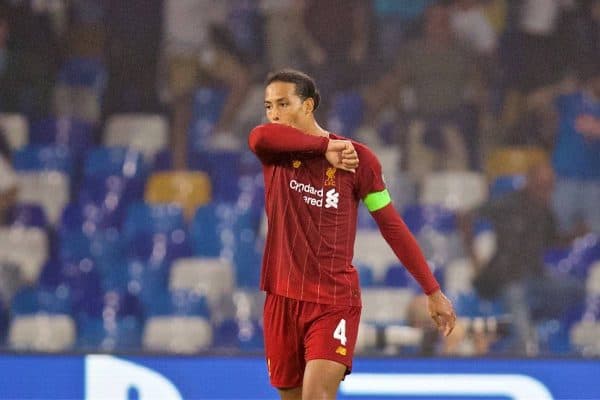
<point x="340" y="332"/>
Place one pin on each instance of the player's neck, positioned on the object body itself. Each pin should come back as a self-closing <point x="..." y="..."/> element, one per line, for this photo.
<point x="313" y="128"/>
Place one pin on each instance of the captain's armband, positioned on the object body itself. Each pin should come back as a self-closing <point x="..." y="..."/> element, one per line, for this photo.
<point x="377" y="200"/>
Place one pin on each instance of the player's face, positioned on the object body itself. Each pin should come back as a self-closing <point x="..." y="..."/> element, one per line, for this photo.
<point x="284" y="106"/>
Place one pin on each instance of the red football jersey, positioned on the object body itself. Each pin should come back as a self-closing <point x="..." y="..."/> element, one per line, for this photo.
<point x="312" y="210"/>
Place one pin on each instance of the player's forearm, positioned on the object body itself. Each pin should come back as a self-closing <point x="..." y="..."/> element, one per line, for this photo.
<point x="405" y="246"/>
<point x="273" y="139"/>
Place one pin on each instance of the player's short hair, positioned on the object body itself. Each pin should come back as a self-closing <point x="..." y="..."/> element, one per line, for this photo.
<point x="306" y="88"/>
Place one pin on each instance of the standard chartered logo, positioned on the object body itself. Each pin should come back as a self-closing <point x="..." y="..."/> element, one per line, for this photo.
<point x="313" y="196"/>
<point x="332" y="199"/>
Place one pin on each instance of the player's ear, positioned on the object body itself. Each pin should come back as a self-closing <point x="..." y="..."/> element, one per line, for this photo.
<point x="308" y="105"/>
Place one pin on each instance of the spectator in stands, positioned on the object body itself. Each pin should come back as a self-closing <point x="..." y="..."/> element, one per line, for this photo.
<point x="192" y="56"/>
<point x="438" y="82"/>
<point x="8" y="179"/>
<point x="576" y="154"/>
<point x="525" y="226"/>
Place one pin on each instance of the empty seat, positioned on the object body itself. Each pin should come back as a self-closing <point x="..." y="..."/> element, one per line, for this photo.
<point x="592" y="284"/>
<point x="224" y="170"/>
<point x="47" y="189"/>
<point x="434" y="217"/>
<point x="103" y="162"/>
<point x="31" y="215"/>
<point x="240" y="334"/>
<point x="367" y="338"/>
<point x="457" y="191"/>
<point x="147" y="133"/>
<point x="87" y="72"/>
<point x="177" y="334"/>
<point x="26" y="247"/>
<point x="209" y="277"/>
<point x="210" y="229"/>
<point x="346" y="113"/>
<point x="97" y="334"/>
<point x="43" y="158"/>
<point x="386" y="305"/>
<point x="78" y="102"/>
<point x="42" y="332"/>
<point x="370" y="248"/>
<point x="72" y="133"/>
<point x="398" y="276"/>
<point x="513" y="160"/>
<point x="190" y="190"/>
<point x="458" y="277"/>
<point x="15" y="128"/>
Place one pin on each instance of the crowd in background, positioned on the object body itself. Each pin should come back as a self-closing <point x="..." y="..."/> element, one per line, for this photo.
<point x="445" y="84"/>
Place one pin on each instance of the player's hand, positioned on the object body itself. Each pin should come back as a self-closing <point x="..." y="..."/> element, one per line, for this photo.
<point x="342" y="155"/>
<point x="441" y="311"/>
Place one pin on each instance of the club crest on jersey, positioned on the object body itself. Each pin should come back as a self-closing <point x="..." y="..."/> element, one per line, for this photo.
<point x="296" y="163"/>
<point x="330" y="181"/>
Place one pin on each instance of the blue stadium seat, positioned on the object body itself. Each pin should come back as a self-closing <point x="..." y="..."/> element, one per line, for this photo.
<point x="205" y="231"/>
<point x="245" y="335"/>
<point x="440" y="219"/>
<point x="44" y="158"/>
<point x="505" y="184"/>
<point x="398" y="276"/>
<point x="575" y="260"/>
<point x="346" y="113"/>
<point x="32" y="300"/>
<point x="158" y="218"/>
<point x="27" y="214"/>
<point x="67" y="132"/>
<point x="207" y="108"/>
<point x="223" y="167"/>
<point x="84" y="71"/>
<point x="181" y="303"/>
<point x="122" y="334"/>
<point x="365" y="275"/>
<point x="103" y="162"/>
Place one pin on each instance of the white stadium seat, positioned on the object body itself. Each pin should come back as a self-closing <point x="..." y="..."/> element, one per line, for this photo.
<point x="180" y="335"/>
<point x="16" y="129"/>
<point x="370" y="248"/>
<point x="50" y="190"/>
<point x="147" y="133"/>
<point x="367" y="338"/>
<point x="205" y="276"/>
<point x="42" y="332"/>
<point x="26" y="247"/>
<point x="457" y="191"/>
<point x="386" y="305"/>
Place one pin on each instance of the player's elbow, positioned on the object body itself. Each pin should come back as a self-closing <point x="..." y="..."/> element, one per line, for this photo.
<point x="256" y="138"/>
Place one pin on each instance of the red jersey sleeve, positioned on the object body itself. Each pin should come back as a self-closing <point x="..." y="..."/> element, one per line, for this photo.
<point x="269" y="141"/>
<point x="393" y="229"/>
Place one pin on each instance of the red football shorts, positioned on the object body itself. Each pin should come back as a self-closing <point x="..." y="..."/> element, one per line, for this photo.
<point x="299" y="331"/>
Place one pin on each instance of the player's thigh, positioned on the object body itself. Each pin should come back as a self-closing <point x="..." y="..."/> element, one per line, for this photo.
<point x="283" y="343"/>
<point x="332" y="334"/>
<point x="290" y="394"/>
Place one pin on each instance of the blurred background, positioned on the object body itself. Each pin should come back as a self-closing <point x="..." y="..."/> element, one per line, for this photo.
<point x="132" y="211"/>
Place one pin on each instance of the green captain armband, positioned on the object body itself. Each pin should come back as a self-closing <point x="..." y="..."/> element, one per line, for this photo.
<point x="377" y="200"/>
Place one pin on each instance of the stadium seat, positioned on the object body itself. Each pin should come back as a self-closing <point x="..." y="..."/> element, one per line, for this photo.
<point x="458" y="277"/>
<point x="15" y="128"/>
<point x="435" y="217"/>
<point x="505" y="184"/>
<point x="32" y="300"/>
<point x="223" y="168"/>
<point x="68" y="132"/>
<point x="27" y="215"/>
<point x="385" y="305"/>
<point x="367" y="338"/>
<point x="370" y="248"/>
<point x="80" y="102"/>
<point x="84" y="72"/>
<point x="457" y="191"/>
<point x="206" y="229"/>
<point x="208" y="104"/>
<point x="575" y="260"/>
<point x="365" y="275"/>
<point x="513" y="161"/>
<point x="239" y="334"/>
<point x="42" y="333"/>
<point x="147" y="133"/>
<point x="247" y="304"/>
<point x="111" y="195"/>
<point x="212" y="278"/>
<point x="117" y="161"/>
<point x="26" y="247"/>
<point x="43" y="158"/>
<point x="189" y="190"/>
<point x="402" y="188"/>
<point x="592" y="283"/>
<point x="585" y="334"/>
<point x="346" y="113"/>
<point x="95" y="334"/>
<point x="47" y="189"/>
<point x="177" y="334"/>
<point x="397" y="276"/>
